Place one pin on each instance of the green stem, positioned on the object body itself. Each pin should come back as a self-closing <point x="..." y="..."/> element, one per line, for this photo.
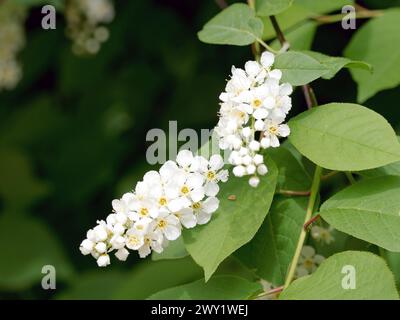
<point x="310" y="209"/>
<point x="350" y="177"/>
<point x="266" y="46"/>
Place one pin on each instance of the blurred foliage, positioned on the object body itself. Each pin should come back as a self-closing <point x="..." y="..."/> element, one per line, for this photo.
<point x="72" y="138"/>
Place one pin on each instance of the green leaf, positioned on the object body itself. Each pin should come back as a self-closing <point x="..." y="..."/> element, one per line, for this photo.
<point x="344" y="136"/>
<point x="32" y="247"/>
<point x="271" y="7"/>
<point x="378" y="43"/>
<point x="271" y="250"/>
<point x="299" y="12"/>
<point x="235" y="25"/>
<point x="300" y="38"/>
<point x="175" y="250"/>
<point x="392" y="169"/>
<point x="298" y="68"/>
<point x="19" y="188"/>
<point x="291" y="174"/>
<point x="217" y="288"/>
<point x="335" y="64"/>
<point x="150" y="277"/>
<point x="373" y="280"/>
<point x="99" y="285"/>
<point x="368" y="210"/>
<point x="393" y="260"/>
<point x="235" y="222"/>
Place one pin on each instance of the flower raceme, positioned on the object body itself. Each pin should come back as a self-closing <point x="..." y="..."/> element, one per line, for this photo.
<point x="181" y="194"/>
<point x="254" y="104"/>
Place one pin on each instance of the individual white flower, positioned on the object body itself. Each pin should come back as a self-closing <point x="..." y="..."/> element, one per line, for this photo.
<point x="254" y="181"/>
<point x="273" y="130"/>
<point x="267" y="59"/>
<point x="203" y="210"/>
<point x="185" y="160"/>
<point x="262" y="169"/>
<point x="103" y="260"/>
<point x="184" y="190"/>
<point x="186" y="217"/>
<point x="239" y="171"/>
<point x="213" y="174"/>
<point x="322" y="234"/>
<point x="101" y="247"/>
<point x="122" y="205"/>
<point x="169" y="225"/>
<point x="122" y="254"/>
<point x="308" y="261"/>
<point x="143" y="208"/>
<point x="100" y="231"/>
<point x="152" y="241"/>
<point x="238" y="84"/>
<point x="86" y="246"/>
<point x="134" y="239"/>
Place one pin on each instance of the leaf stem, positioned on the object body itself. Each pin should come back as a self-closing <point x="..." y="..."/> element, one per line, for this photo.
<point x="310" y="209"/>
<point x="329" y="175"/>
<point x="363" y="14"/>
<point x="350" y="177"/>
<point x="311" y="221"/>
<point x="273" y="291"/>
<point x="266" y="46"/>
<point x="293" y="193"/>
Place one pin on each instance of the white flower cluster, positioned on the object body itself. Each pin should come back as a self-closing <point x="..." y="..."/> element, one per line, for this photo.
<point x="83" y="19"/>
<point x="322" y="234"/>
<point x="253" y="109"/>
<point x="308" y="262"/>
<point x="12" y="40"/>
<point x="180" y="194"/>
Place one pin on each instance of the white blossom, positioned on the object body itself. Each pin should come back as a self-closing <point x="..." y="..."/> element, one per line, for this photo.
<point x="308" y="261"/>
<point x="181" y="194"/>
<point x="253" y="108"/>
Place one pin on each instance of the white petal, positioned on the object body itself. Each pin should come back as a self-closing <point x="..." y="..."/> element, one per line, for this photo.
<point x="260" y="113"/>
<point x="210" y="205"/>
<point x="285" y="89"/>
<point x="284" y="130"/>
<point x="307" y="252"/>
<point x="211" y="189"/>
<point x="274" y="141"/>
<point x="267" y="59"/>
<point x="195" y="180"/>
<point x="276" y="74"/>
<point x="252" y="68"/>
<point x="203" y="217"/>
<point x="197" y="194"/>
<point x="216" y="162"/>
<point x="168" y="169"/>
<point x="184" y="158"/>
<point x="103" y="260"/>
<point x="122" y="254"/>
<point x="265" y="142"/>
<point x="172" y="233"/>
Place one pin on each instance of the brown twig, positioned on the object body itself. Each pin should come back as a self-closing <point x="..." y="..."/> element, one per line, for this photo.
<point x="221" y="4"/>
<point x="273" y="291"/>
<point x="311" y="221"/>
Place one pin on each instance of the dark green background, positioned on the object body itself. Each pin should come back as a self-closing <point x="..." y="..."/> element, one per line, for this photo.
<point x="72" y="138"/>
